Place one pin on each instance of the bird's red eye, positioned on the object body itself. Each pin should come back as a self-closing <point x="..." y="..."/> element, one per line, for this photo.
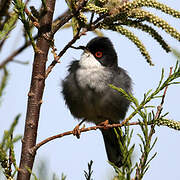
<point x="98" y="54"/>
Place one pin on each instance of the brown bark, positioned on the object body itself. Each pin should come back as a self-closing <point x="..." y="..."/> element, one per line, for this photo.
<point x="36" y="92"/>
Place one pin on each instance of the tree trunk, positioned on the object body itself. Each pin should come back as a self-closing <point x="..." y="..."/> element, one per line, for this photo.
<point x="36" y="91"/>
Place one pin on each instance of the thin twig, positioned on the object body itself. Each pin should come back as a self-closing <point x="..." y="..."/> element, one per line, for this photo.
<point x="20" y="62"/>
<point x="26" y="2"/>
<point x="152" y="131"/>
<point x="59" y="24"/>
<point x="103" y="126"/>
<point x="93" y="26"/>
<point x="15" y="53"/>
<point x="91" y="20"/>
<point x="56" y="60"/>
<point x="10" y="159"/>
<point x="32" y="18"/>
<point x="59" y="20"/>
<point x="75" y="38"/>
<point x="159" y="108"/>
<point x="79" y="47"/>
<point x="100" y="18"/>
<point x="164" y="94"/>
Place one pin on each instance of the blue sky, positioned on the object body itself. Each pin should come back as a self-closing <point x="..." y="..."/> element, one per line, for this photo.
<point x="70" y="155"/>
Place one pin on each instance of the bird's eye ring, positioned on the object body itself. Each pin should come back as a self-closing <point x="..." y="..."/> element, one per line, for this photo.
<point x="98" y="54"/>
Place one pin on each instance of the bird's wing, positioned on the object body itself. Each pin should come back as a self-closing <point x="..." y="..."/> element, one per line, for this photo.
<point x="122" y="80"/>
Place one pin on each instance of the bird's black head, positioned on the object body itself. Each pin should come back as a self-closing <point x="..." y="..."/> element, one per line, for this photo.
<point x="103" y="50"/>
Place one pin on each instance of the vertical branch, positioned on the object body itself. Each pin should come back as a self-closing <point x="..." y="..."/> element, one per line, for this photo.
<point x="36" y="91"/>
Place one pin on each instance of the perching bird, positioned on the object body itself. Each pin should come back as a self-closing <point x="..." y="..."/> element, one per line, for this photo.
<point x="88" y="95"/>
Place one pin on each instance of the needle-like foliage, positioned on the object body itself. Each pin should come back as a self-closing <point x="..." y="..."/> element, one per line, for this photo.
<point x="7" y="154"/>
<point x="147" y="122"/>
<point x="118" y="15"/>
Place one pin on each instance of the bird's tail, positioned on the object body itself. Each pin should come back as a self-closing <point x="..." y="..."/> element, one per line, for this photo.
<point x="112" y="145"/>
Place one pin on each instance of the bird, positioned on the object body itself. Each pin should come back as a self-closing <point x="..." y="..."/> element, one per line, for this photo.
<point x="88" y="95"/>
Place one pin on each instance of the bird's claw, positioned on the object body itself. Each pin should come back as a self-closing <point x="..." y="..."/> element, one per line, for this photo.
<point x="104" y="123"/>
<point x="76" y="131"/>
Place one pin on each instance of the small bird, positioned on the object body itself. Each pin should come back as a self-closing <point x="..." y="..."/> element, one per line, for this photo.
<point x="88" y="95"/>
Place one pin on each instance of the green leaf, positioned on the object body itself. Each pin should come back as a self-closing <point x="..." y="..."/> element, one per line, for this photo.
<point x="75" y="25"/>
<point x="8" y="26"/>
<point x="176" y="53"/>
<point x="7" y="134"/>
<point x="33" y="174"/>
<point x="3" y="82"/>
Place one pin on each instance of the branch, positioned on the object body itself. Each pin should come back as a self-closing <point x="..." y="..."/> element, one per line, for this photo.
<point x="69" y="15"/>
<point x="141" y="168"/>
<point x="32" y="18"/>
<point x="159" y="108"/>
<point x="57" y="24"/>
<point x="91" y="27"/>
<point x="165" y="91"/>
<point x="102" y="126"/>
<point x="15" y="53"/>
<point x="75" y="38"/>
<point x="56" y="58"/>
<point x="59" y="20"/>
<point x="36" y="92"/>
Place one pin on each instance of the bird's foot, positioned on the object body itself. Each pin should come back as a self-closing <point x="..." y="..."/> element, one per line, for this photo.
<point x="76" y="131"/>
<point x="104" y="123"/>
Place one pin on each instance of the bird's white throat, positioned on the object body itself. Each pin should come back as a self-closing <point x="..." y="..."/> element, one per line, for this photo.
<point x="92" y="74"/>
<point x="89" y="61"/>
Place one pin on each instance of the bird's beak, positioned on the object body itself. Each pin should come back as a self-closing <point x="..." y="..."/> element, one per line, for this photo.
<point x="84" y="48"/>
<point x="86" y="51"/>
<point x="79" y="47"/>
